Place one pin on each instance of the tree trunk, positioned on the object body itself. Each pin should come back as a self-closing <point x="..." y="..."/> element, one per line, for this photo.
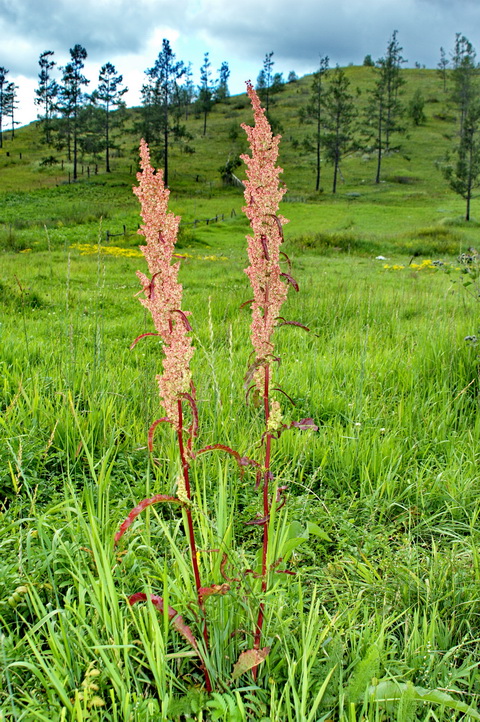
<point x="107" y="144"/>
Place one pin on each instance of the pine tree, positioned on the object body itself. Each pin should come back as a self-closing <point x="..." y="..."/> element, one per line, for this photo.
<point x="339" y="113"/>
<point x="464" y="76"/>
<point x="314" y="111"/>
<point x="73" y="98"/>
<point x="384" y="109"/>
<point x="442" y="68"/>
<point x="11" y="105"/>
<point x="464" y="174"/>
<point x="264" y="80"/>
<point x="157" y="95"/>
<point x="205" y="94"/>
<point x="108" y="96"/>
<point x="46" y="93"/>
<point x="221" y="90"/>
<point x="3" y="86"/>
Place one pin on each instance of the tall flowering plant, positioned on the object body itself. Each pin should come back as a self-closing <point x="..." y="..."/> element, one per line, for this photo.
<point x="163" y="298"/>
<point x="270" y="284"/>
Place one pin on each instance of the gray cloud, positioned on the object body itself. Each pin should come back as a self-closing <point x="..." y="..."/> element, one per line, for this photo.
<point x="103" y="27"/>
<point x="129" y="33"/>
<point x="345" y="30"/>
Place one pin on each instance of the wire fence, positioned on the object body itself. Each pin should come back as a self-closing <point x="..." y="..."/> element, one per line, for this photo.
<point x="196" y="222"/>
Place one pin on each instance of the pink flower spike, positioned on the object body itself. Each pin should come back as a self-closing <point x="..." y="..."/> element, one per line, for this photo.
<point x="163" y="292"/>
<point x="263" y="195"/>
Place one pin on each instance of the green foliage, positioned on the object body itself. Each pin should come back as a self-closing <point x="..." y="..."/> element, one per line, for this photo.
<point x="381" y="524"/>
<point x="416" y="108"/>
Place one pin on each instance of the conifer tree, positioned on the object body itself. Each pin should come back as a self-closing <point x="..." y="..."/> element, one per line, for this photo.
<point x="11" y="105"/>
<point x="205" y="94"/>
<point x="72" y="99"/>
<point x="46" y="93"/>
<point x="157" y="96"/>
<point x="3" y="87"/>
<point x="314" y="112"/>
<point x="221" y="90"/>
<point x="339" y="112"/>
<point x="442" y="68"/>
<point x="264" y="80"/>
<point x="108" y="96"/>
<point x="384" y="110"/>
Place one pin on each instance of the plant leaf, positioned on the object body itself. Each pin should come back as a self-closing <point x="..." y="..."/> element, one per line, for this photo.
<point x="291" y="323"/>
<point x="175" y="618"/>
<point x="305" y="424"/>
<point x="389" y="691"/>
<point x="241" y="460"/>
<point x="184" y="318"/>
<point x="290" y="279"/>
<point x="263" y="241"/>
<point x="194" y="425"/>
<point x="140" y="507"/>
<point x="151" y="333"/>
<point x="152" y="428"/>
<point x="249" y="660"/>
<point x="205" y="592"/>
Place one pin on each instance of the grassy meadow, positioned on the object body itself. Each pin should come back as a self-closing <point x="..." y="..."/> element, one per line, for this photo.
<point x="381" y="620"/>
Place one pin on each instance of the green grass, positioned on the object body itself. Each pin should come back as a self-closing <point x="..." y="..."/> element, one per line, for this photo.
<point x="381" y="620"/>
<point x="388" y="592"/>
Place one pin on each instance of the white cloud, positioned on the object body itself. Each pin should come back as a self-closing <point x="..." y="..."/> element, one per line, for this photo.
<point x="128" y="33"/>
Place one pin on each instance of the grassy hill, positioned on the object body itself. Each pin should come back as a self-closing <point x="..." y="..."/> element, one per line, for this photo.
<point x="400" y="213"/>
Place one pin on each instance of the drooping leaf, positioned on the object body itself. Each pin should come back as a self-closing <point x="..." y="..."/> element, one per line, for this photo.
<point x="223" y="564"/>
<point x="291" y="323"/>
<point x="184" y="318"/>
<point x="193" y="406"/>
<point x="151" y="288"/>
<point x="245" y="303"/>
<point x="279" y="225"/>
<point x="305" y="424"/>
<point x="241" y="460"/>
<point x="257" y="364"/>
<point x="205" y="592"/>
<point x="175" y="618"/>
<point x="282" y="253"/>
<point x="134" y="343"/>
<point x="277" y="388"/>
<point x="249" y="660"/>
<point x="151" y="431"/>
<point x="140" y="507"/>
<point x="290" y="279"/>
<point x="258" y="522"/>
<point x="263" y="241"/>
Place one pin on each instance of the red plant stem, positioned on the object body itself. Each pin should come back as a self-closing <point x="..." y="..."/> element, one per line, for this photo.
<point x="266" y="513"/>
<point x="191" y="536"/>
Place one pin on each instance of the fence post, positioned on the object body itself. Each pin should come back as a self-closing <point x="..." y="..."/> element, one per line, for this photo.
<point x="124" y="229"/>
<point x="108" y="236"/>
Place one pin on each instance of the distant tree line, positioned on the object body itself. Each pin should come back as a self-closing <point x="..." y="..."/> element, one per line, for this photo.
<point x="83" y="123"/>
<point x="462" y="164"/>
<point x="8" y="105"/>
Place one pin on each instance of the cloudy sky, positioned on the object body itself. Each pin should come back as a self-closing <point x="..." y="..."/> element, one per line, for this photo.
<point x="128" y="33"/>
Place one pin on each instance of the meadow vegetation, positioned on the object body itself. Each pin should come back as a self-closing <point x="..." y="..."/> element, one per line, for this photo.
<point x="380" y="621"/>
